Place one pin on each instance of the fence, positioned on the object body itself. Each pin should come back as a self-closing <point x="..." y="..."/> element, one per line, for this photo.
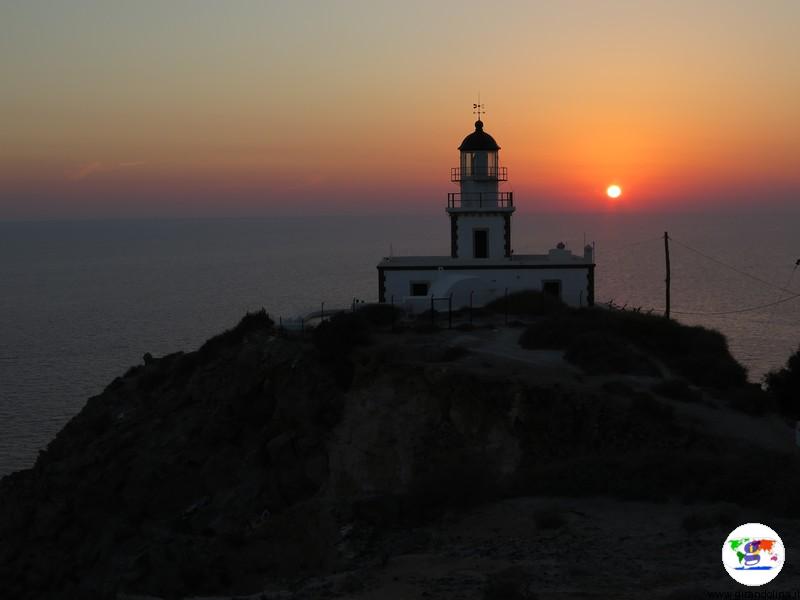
<point x="440" y="313"/>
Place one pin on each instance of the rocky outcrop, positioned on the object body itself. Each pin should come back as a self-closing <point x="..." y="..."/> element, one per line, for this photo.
<point x="253" y="462"/>
<point x="188" y="474"/>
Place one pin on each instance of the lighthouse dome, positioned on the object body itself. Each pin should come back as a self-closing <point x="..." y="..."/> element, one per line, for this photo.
<point x="478" y="141"/>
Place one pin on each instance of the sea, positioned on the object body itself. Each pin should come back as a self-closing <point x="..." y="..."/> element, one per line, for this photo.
<point x="81" y="301"/>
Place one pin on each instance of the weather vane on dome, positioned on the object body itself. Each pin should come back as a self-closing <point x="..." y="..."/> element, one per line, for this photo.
<point x="478" y="109"/>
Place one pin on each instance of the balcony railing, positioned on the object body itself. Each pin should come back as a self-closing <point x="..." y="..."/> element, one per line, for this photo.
<point x="480" y="200"/>
<point x="479" y="174"/>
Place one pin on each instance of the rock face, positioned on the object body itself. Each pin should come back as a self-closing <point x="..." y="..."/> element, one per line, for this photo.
<point x="259" y="460"/>
<point x="188" y="474"/>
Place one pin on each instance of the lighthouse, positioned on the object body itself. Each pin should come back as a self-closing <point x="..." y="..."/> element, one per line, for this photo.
<point x="482" y="264"/>
<point x="480" y="214"/>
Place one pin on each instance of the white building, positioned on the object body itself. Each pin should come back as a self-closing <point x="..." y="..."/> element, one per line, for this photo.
<point x="482" y="265"/>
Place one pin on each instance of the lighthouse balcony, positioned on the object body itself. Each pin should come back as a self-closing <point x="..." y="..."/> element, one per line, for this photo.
<point x="473" y="200"/>
<point x="458" y="174"/>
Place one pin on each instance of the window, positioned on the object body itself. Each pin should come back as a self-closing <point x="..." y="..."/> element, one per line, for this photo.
<point x="480" y="243"/>
<point x="491" y="164"/>
<point x="467" y="162"/>
<point x="419" y="288"/>
<point x="552" y="287"/>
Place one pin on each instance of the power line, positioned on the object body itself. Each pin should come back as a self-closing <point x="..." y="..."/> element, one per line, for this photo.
<point x="724" y="264"/>
<point x="787" y="286"/>
<point x="740" y="310"/>
<point x="792" y="295"/>
<point x="791" y="275"/>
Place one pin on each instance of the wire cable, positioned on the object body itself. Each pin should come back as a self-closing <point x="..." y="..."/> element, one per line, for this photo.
<point x="740" y="310"/>
<point x="791" y="275"/>
<point x="724" y="264"/>
<point x="787" y="285"/>
<point x="792" y="295"/>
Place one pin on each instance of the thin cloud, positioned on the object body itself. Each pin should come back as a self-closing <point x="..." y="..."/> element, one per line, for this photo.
<point x="92" y="168"/>
<point x="84" y="171"/>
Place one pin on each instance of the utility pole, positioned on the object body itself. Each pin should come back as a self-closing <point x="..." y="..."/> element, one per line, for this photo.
<point x="667" y="280"/>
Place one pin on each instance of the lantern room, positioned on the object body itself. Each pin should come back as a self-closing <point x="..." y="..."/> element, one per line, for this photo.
<point x="479" y="156"/>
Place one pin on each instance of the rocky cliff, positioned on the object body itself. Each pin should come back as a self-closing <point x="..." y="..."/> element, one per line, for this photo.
<point x="263" y="463"/>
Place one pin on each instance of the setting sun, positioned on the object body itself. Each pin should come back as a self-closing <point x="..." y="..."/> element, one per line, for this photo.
<point x="614" y="191"/>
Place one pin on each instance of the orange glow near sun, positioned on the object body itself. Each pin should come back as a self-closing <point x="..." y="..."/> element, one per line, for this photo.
<point x="613" y="191"/>
<point x="690" y="118"/>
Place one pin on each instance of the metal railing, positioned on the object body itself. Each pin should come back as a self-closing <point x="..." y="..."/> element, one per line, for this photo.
<point x="479" y="174"/>
<point x="480" y="200"/>
<point x="305" y="322"/>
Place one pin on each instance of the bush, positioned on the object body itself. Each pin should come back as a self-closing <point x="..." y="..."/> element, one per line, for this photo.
<point x="750" y="399"/>
<point x="600" y="353"/>
<point x="784" y="386"/>
<point x="644" y="405"/>
<point x="337" y="336"/>
<point x="379" y="315"/>
<point x="698" y="354"/>
<point x="528" y="302"/>
<point x="677" y="389"/>
<point x="250" y="323"/>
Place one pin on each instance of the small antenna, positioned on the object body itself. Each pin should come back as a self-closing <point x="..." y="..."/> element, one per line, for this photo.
<point x="478" y="109"/>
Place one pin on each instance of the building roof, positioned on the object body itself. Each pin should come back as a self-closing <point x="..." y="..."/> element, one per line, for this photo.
<point x="478" y="140"/>
<point x="551" y="260"/>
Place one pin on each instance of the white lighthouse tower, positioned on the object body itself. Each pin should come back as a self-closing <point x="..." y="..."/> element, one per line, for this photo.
<point x="480" y="214"/>
<point x="482" y="265"/>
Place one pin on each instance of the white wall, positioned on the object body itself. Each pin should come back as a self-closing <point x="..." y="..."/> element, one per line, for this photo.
<point x="496" y="226"/>
<point x="492" y="284"/>
<point x="489" y="188"/>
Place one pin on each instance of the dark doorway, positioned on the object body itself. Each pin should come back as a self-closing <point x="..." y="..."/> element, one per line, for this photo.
<point x="552" y="287"/>
<point x="480" y="243"/>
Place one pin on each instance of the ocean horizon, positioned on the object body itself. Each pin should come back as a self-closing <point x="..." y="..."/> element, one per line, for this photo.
<point x="83" y="300"/>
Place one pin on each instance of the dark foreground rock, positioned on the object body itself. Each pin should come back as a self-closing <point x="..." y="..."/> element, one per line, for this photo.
<point x="265" y="464"/>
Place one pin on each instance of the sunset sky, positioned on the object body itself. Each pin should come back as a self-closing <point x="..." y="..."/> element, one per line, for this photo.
<point x="140" y="109"/>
